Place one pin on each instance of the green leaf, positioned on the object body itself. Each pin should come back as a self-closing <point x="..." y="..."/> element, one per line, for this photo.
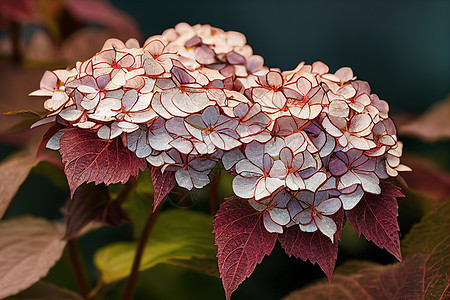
<point x="47" y="291"/>
<point x="179" y="237"/>
<point x="137" y="208"/>
<point x="423" y="274"/>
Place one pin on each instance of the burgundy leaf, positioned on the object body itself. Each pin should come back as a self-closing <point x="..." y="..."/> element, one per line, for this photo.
<point x="314" y="246"/>
<point x="91" y="203"/>
<point x="90" y="159"/>
<point x="163" y="183"/>
<point x="242" y="240"/>
<point x="375" y="217"/>
<point x="423" y="274"/>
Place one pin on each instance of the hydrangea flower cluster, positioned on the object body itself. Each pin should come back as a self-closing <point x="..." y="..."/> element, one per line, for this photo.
<point x="301" y="143"/>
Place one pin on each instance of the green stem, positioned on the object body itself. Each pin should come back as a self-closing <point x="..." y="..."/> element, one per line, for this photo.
<point x="80" y="271"/>
<point x="133" y="278"/>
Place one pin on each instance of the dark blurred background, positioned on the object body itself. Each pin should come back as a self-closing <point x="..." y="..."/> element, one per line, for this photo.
<point x="402" y="48"/>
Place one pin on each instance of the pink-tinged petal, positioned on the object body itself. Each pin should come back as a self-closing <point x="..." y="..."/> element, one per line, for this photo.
<point x="343" y="141"/>
<point x="182" y="76"/>
<point x="244" y="187"/>
<point x="348" y="179"/>
<point x="295" y="182"/>
<point x="183" y="103"/>
<point x="312" y="183"/>
<point x="41" y="93"/>
<point x="331" y="128"/>
<point x="329" y="206"/>
<point x="319" y="68"/>
<point x="151" y="66"/>
<point x="274" y="79"/>
<point x="347" y="91"/>
<point x="360" y="123"/>
<point x="261" y="190"/>
<point x="280" y="215"/>
<point x="154" y="46"/>
<point x="279" y="99"/>
<point x="255" y="63"/>
<point x="57" y="100"/>
<point x="49" y="81"/>
<point x="205" y="55"/>
<point x="339" y="108"/>
<point x="327" y="226"/>
<point x="168" y="97"/>
<point x="345" y="74"/>
<point x="351" y="200"/>
<point x="235" y="59"/>
<point x="278" y="170"/>
<point x="270" y="225"/>
<point x="304" y="86"/>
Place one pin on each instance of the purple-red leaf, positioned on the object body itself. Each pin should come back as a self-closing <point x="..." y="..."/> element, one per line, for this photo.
<point x="91" y="203"/>
<point x="242" y="240"/>
<point x="375" y="217"/>
<point x="314" y="246"/>
<point x="90" y="159"/>
<point x="163" y="183"/>
<point x="423" y="274"/>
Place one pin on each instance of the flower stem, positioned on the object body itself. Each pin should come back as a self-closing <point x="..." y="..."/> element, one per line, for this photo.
<point x="214" y="195"/>
<point x="80" y="271"/>
<point x="133" y="278"/>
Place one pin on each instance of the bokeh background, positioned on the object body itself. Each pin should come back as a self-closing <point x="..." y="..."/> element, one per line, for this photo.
<point x="401" y="47"/>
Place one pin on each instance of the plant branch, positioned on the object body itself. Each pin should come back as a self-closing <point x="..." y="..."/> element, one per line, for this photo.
<point x="214" y="195"/>
<point x="133" y="278"/>
<point x="80" y="271"/>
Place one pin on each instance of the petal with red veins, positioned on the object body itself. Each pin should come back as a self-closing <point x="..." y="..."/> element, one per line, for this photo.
<point x="327" y="226"/>
<point x="244" y="187"/>
<point x="350" y="200"/>
<point x="270" y="225"/>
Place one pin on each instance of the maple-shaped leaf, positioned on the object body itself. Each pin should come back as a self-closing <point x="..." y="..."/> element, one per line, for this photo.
<point x="163" y="183"/>
<point x="242" y="242"/>
<point x="90" y="159"/>
<point x="91" y="203"/>
<point x="314" y="246"/>
<point x="375" y="216"/>
<point x="423" y="274"/>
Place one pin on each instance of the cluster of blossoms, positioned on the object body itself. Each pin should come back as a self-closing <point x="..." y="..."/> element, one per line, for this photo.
<point x="302" y="143"/>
